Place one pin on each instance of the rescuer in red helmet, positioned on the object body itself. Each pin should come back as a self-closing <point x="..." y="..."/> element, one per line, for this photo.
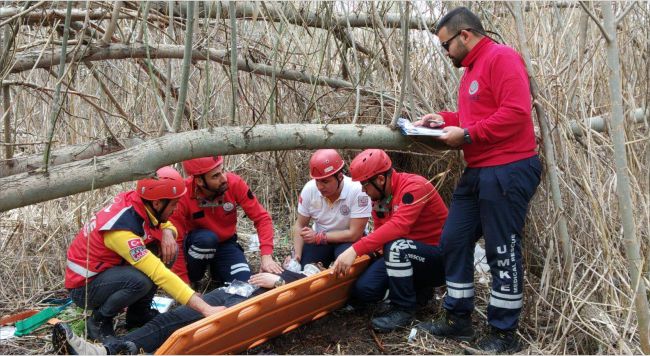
<point x="337" y="207"/>
<point x="97" y="273"/>
<point x="207" y="221"/>
<point x="408" y="216"/>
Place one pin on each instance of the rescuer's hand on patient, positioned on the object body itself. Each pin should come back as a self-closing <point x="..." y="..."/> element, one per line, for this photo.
<point x="268" y="264"/>
<point x="168" y="247"/>
<point x="343" y="262"/>
<point x="430" y="121"/>
<point x="198" y="304"/>
<point x="264" y="280"/>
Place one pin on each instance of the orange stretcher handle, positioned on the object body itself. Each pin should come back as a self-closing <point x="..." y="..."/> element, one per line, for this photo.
<point x="265" y="316"/>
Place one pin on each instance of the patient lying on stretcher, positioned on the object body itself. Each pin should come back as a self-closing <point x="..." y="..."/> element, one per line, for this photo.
<point x="154" y="333"/>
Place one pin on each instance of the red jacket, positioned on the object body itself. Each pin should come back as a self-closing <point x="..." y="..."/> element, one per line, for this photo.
<point x="416" y="212"/>
<point x="494" y="104"/>
<point x="127" y="212"/>
<point x="220" y="218"/>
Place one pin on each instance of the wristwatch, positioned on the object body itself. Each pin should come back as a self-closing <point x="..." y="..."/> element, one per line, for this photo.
<point x="279" y="283"/>
<point x="466" y="136"/>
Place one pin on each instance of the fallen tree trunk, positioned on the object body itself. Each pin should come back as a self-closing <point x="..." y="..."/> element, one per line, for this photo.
<point x="67" y="154"/>
<point x="141" y="160"/>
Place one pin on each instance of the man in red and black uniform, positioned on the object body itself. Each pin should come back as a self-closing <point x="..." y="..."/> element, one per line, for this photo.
<point x="408" y="216"/>
<point x="207" y="221"/>
<point x="494" y="128"/>
<point x="97" y="273"/>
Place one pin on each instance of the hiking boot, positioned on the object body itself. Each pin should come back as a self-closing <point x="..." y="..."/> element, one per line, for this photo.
<point x="392" y="320"/>
<point x="138" y="318"/>
<point x="99" y="327"/>
<point x="498" y="341"/>
<point x="65" y="342"/>
<point x="451" y="326"/>
<point x="120" y="347"/>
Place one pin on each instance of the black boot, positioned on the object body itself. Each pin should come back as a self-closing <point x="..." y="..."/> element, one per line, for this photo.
<point x="392" y="320"/>
<point x="120" y="347"/>
<point x="498" y="341"/>
<point x="99" y="327"/>
<point x="451" y="326"/>
<point x="135" y="319"/>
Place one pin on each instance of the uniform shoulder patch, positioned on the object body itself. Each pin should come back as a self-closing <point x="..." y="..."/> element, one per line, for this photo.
<point x="407" y="198"/>
<point x="250" y="194"/>
<point x="137" y="250"/>
<point x="363" y="201"/>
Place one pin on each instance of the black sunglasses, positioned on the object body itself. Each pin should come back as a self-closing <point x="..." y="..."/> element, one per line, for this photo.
<point x="446" y="44"/>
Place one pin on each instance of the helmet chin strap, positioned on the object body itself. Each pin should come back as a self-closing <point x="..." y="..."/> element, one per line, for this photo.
<point x="158" y="213"/>
<point x="381" y="191"/>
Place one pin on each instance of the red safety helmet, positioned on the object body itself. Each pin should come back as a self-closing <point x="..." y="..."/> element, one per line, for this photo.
<point x="166" y="184"/>
<point x="325" y="163"/>
<point x="368" y="164"/>
<point x="203" y="165"/>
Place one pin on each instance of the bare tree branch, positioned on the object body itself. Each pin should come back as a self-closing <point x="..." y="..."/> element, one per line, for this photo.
<point x="66" y="154"/>
<point x="121" y="51"/>
<point x="108" y="34"/>
<point x="185" y="68"/>
<point x="20" y="13"/>
<point x="596" y="20"/>
<point x="624" y="13"/>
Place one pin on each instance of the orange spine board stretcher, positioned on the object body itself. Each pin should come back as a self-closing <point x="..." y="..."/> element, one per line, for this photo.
<point x="255" y="321"/>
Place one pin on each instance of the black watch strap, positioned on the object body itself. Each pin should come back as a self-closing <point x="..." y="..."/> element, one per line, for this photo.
<point x="466" y="137"/>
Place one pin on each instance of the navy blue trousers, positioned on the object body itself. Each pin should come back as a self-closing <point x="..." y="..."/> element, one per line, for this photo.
<point x="326" y="254"/>
<point x="413" y="269"/>
<point x="113" y="290"/>
<point x="491" y="202"/>
<point x="409" y="270"/>
<point x="225" y="259"/>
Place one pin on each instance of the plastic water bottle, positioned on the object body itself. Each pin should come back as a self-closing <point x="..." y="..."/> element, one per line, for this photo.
<point x="480" y="264"/>
<point x="292" y="265"/>
<point x="310" y="269"/>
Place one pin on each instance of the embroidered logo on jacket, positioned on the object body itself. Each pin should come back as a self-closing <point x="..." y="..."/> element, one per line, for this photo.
<point x="473" y="87"/>
<point x="345" y="210"/>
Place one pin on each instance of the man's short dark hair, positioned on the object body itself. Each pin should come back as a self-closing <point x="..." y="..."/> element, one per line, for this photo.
<point x="459" y="19"/>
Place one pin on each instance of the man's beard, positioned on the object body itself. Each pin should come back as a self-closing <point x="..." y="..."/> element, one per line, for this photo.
<point x="216" y="191"/>
<point x="456" y="62"/>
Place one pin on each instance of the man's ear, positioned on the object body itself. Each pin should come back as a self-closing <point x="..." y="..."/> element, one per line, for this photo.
<point x="200" y="181"/>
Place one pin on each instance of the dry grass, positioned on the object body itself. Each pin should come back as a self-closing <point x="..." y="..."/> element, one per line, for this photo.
<point x="587" y="311"/>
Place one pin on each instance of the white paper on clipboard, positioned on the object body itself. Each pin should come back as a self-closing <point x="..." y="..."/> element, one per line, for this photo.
<point x="408" y="129"/>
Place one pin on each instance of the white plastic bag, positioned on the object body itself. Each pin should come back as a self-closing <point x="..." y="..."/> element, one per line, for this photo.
<point x="240" y="288"/>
